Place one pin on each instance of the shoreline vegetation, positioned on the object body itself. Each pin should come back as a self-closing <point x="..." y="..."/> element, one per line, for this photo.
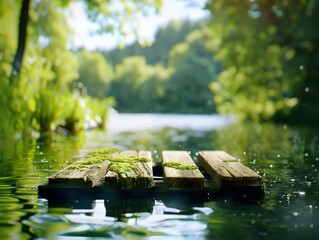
<point x="257" y="62"/>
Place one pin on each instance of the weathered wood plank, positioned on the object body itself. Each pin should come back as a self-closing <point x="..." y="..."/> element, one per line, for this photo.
<point x="186" y="179"/>
<point x="139" y="176"/>
<point x="226" y="171"/>
<point x="89" y="176"/>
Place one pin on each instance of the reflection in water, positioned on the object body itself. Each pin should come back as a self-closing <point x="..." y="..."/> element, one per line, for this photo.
<point x="163" y="221"/>
<point x="287" y="158"/>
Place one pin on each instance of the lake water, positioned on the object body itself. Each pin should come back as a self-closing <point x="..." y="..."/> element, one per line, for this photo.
<point x="287" y="158"/>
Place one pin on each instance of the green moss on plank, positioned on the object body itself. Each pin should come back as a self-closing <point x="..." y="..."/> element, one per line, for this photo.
<point x="94" y="158"/>
<point x="230" y="160"/>
<point x="121" y="167"/>
<point x="128" y="159"/>
<point x="180" y="166"/>
<point x="119" y="163"/>
<point x="123" y="164"/>
<point x="100" y="155"/>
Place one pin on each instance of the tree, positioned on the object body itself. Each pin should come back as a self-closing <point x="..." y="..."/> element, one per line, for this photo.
<point x="268" y="51"/>
<point x="95" y="73"/>
<point x="40" y="98"/>
<point x="23" y="23"/>
<point x="128" y="77"/>
<point x="152" y="90"/>
<point x="193" y="69"/>
<point x="165" y="38"/>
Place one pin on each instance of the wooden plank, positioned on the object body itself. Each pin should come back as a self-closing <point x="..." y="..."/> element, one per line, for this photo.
<point x="227" y="172"/>
<point x="185" y="179"/>
<point x="139" y="177"/>
<point x="89" y="176"/>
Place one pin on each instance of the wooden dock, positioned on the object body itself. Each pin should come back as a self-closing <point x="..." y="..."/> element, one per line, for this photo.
<point x="133" y="173"/>
<point x="227" y="172"/>
<point x="140" y="177"/>
<point x="185" y="175"/>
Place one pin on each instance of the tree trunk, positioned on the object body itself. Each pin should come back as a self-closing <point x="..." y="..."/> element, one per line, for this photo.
<point x="23" y="23"/>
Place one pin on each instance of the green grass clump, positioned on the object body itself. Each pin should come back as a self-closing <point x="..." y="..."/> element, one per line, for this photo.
<point x="180" y="166"/>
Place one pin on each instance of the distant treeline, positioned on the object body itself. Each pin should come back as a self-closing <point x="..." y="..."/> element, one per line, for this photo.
<point x="170" y="76"/>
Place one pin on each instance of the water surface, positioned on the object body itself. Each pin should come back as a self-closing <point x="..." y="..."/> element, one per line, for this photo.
<point x="287" y="158"/>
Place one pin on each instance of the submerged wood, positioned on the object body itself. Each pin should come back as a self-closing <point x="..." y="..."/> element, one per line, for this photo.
<point x="89" y="176"/>
<point x="227" y="172"/>
<point x="186" y="179"/>
<point x="140" y="177"/>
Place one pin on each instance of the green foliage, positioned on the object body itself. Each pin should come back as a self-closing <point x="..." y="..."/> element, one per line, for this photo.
<point x="121" y="18"/>
<point x="165" y="38"/>
<point x="180" y="87"/>
<point x="95" y="73"/>
<point x="97" y="111"/>
<point x="192" y="70"/>
<point x="40" y="99"/>
<point x="152" y="90"/>
<point x="129" y="76"/>
<point x="268" y="54"/>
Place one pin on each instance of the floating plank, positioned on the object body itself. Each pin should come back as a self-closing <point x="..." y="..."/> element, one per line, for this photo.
<point x="89" y="176"/>
<point x="227" y="172"/>
<point x="183" y="179"/>
<point x="140" y="176"/>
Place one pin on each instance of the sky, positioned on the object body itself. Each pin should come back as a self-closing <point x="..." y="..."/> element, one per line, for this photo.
<point x="171" y="10"/>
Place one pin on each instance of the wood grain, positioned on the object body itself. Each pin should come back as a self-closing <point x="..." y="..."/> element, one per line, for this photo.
<point x="73" y="178"/>
<point x="140" y="177"/>
<point x="226" y="171"/>
<point x="181" y="179"/>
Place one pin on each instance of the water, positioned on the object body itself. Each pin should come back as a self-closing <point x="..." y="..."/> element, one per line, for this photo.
<point x="287" y="158"/>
